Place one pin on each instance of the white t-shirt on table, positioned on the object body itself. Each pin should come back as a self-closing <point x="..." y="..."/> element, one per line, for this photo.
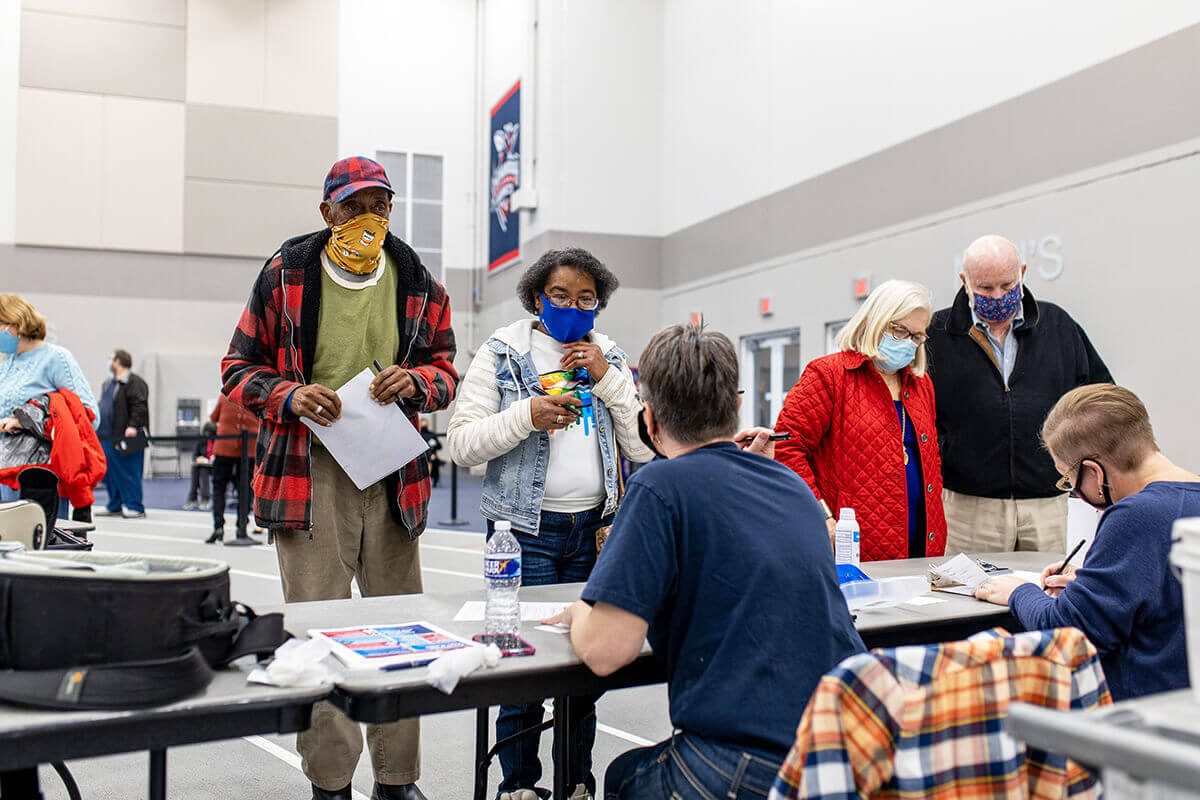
<point x="575" y="472"/>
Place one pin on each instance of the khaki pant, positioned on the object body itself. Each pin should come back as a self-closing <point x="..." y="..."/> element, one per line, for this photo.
<point x="353" y="536"/>
<point x="990" y="525"/>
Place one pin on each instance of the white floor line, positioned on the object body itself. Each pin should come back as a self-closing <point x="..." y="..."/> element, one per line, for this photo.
<point x="263" y="575"/>
<point x="152" y="519"/>
<point x="473" y="534"/>
<point x="471" y="551"/>
<point x="453" y="572"/>
<point x="287" y="757"/>
<point x="626" y="735"/>
<point x="150" y="537"/>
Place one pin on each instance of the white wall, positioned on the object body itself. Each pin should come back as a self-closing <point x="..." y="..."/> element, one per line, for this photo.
<point x="10" y="67"/>
<point x="1123" y="233"/>
<point x="414" y="94"/>
<point x="763" y="94"/>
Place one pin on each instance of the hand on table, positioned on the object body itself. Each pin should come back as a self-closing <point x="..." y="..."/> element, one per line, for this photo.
<point x="588" y="355"/>
<point x="760" y="444"/>
<point x="1054" y="584"/>
<point x="318" y="403"/>
<point x="9" y="425"/>
<point x="568" y="614"/>
<point x="553" y="412"/>
<point x="392" y="384"/>
<point x="998" y="590"/>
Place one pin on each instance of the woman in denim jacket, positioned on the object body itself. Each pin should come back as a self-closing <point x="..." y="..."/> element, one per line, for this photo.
<point x="552" y="460"/>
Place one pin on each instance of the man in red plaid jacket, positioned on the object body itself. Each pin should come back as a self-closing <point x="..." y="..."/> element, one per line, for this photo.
<point x="324" y="308"/>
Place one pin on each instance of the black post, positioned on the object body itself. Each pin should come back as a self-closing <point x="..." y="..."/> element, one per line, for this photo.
<point x="454" y="520"/>
<point x="158" y="775"/>
<point x="243" y="539"/>
<point x="20" y="784"/>
<point x="481" y="753"/>
<point x="561" y="749"/>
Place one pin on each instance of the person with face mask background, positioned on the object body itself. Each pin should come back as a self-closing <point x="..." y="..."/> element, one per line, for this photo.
<point x="1124" y="596"/>
<point x="323" y="309"/>
<point x="553" y="462"/>
<point x="1000" y="360"/>
<point x="863" y="433"/>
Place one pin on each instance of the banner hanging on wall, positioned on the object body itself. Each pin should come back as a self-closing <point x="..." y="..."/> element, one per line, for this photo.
<point x="504" y="235"/>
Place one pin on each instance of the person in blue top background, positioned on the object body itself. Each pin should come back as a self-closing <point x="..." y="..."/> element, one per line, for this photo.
<point x="31" y="367"/>
<point x="721" y="558"/>
<point x="1124" y="596"/>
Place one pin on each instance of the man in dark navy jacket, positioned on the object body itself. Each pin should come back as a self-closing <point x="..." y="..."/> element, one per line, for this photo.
<point x="1000" y="360"/>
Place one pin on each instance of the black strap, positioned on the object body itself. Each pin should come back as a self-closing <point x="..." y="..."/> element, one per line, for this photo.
<point x="260" y="636"/>
<point x="127" y="684"/>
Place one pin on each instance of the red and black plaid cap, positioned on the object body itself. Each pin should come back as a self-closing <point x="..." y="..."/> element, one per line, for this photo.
<point x="354" y="174"/>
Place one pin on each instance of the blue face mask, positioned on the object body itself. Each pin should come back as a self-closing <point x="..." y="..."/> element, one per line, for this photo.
<point x="895" y="354"/>
<point x="8" y="342"/>
<point x="568" y="324"/>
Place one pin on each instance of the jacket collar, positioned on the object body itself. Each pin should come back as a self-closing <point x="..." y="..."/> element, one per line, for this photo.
<point x="519" y="337"/>
<point x="852" y="360"/>
<point x="961" y="321"/>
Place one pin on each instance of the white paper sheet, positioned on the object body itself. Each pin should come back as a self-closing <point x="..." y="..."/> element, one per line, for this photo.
<point x="553" y="628"/>
<point x="924" y="601"/>
<point x="961" y="569"/>
<point x="1082" y="520"/>
<point x="370" y="441"/>
<point x="472" y="611"/>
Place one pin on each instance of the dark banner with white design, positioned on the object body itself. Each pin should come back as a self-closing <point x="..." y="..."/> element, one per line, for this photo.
<point x="504" y="236"/>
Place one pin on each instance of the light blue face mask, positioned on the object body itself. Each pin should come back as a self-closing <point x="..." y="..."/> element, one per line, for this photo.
<point x="8" y="342"/>
<point x="895" y="354"/>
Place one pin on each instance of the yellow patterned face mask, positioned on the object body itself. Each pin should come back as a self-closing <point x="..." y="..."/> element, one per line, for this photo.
<point x="355" y="246"/>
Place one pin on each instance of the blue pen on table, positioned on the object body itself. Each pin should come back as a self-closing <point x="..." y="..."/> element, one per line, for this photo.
<point x="406" y="665"/>
<point x="379" y="369"/>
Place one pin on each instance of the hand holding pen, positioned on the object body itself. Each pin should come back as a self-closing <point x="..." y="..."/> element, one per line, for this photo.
<point x="1056" y="576"/>
<point x="392" y="384"/>
<point x="760" y="440"/>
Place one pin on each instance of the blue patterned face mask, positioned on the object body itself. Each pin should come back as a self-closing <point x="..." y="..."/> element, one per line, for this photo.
<point x="8" y="342"/>
<point x="998" y="309"/>
<point x="895" y="354"/>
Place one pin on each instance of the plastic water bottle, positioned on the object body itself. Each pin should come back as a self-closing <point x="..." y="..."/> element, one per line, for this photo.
<point x="502" y="571"/>
<point x="845" y="538"/>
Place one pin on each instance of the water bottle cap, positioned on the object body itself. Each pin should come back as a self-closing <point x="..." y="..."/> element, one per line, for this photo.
<point x="503" y="525"/>
<point x="847" y="514"/>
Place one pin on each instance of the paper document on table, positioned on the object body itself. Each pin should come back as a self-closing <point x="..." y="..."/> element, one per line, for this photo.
<point x="370" y="441"/>
<point x="959" y="575"/>
<point x="472" y="611"/>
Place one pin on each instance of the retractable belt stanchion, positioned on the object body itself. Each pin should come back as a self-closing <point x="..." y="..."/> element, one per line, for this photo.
<point x="245" y="465"/>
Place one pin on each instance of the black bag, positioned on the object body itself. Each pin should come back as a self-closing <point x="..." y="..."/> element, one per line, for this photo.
<point x="83" y="630"/>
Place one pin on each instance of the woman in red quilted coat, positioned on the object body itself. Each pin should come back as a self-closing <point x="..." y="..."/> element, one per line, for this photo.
<point x="863" y="427"/>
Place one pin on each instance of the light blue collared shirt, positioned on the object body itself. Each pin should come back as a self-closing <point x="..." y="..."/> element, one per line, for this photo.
<point x="1005" y="354"/>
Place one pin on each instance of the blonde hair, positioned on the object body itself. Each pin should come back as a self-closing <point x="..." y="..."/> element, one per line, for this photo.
<point x="891" y="300"/>
<point x="1101" y="421"/>
<point x="16" y="310"/>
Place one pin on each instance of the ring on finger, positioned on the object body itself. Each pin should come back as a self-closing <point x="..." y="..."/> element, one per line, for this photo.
<point x="560" y="419"/>
<point x="320" y="409"/>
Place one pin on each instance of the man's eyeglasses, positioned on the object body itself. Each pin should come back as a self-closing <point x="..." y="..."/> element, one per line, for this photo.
<point x="587" y="303"/>
<point x="1068" y="484"/>
<point x="902" y="333"/>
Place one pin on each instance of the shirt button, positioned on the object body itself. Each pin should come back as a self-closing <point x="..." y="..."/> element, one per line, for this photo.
<point x="906" y="393"/>
<point x="929" y="487"/>
<point x="924" y="437"/>
<point x="931" y="536"/>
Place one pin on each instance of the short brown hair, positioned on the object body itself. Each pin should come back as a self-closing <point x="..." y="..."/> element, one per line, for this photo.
<point x="16" y="310"/>
<point x="689" y="376"/>
<point x="123" y="358"/>
<point x="1101" y="421"/>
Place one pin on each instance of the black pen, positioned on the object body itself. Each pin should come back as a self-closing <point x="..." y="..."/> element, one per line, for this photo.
<point x="379" y="369"/>
<point x="1067" y="560"/>
<point x="774" y="437"/>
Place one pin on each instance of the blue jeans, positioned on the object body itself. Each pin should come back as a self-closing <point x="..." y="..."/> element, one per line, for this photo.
<point x="691" y="768"/>
<point x="8" y="495"/>
<point x="563" y="552"/>
<point x="123" y="480"/>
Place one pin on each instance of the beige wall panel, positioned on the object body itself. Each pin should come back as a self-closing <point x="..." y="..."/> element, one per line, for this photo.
<point x="225" y="45"/>
<point x="143" y="175"/>
<point x="161" y="12"/>
<point x="259" y="146"/>
<point x="103" y="56"/>
<point x="59" y="176"/>
<point x="233" y="219"/>
<point x="302" y="56"/>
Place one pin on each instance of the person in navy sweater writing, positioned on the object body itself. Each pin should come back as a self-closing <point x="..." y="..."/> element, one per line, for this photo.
<point x="1124" y="597"/>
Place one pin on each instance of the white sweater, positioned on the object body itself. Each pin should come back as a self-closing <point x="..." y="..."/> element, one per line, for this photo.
<point x="479" y="431"/>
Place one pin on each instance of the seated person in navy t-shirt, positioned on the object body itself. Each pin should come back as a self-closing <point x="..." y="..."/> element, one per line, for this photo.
<point x="1124" y="597"/>
<point x="721" y="558"/>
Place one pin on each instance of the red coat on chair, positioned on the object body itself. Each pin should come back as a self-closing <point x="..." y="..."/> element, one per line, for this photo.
<point x="846" y="445"/>
<point x="76" y="456"/>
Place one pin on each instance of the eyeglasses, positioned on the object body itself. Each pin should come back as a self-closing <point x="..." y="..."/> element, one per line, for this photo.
<point x="902" y="333"/>
<point x="1068" y="484"/>
<point x="560" y="300"/>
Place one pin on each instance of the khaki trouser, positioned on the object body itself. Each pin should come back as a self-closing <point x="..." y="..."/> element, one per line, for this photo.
<point x="991" y="525"/>
<point x="353" y="536"/>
